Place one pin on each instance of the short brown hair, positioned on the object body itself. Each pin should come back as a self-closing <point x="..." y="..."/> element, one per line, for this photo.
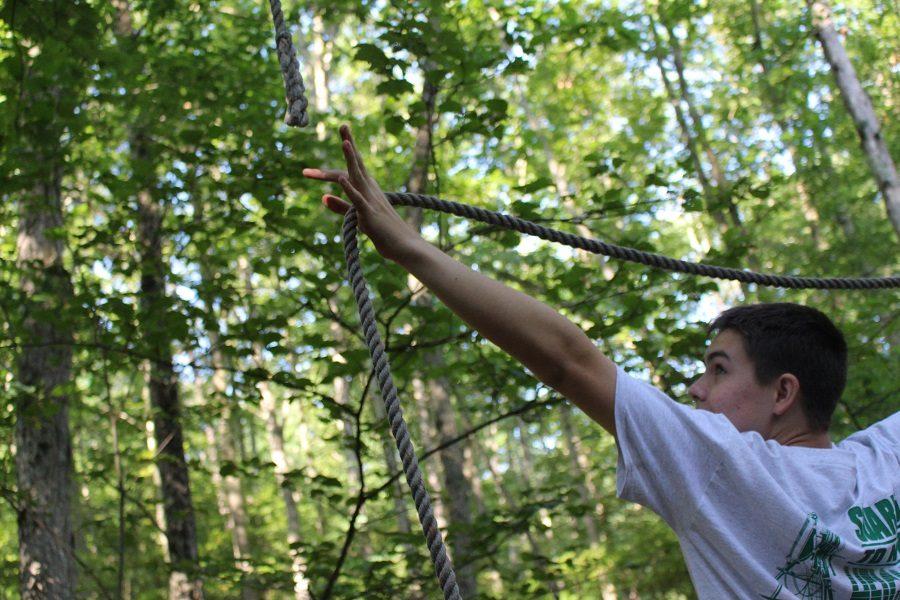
<point x="783" y="338"/>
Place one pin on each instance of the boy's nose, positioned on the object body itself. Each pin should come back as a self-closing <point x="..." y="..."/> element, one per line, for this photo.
<point x="696" y="392"/>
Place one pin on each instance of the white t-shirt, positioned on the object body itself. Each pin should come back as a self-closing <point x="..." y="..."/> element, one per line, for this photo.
<point x="759" y="520"/>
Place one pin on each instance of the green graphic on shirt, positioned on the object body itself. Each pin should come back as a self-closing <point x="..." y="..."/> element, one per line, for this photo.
<point x="878" y="523"/>
<point x="807" y="572"/>
<point x="876" y="576"/>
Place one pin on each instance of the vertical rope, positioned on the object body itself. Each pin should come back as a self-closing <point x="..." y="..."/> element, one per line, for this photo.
<point x="296" y="117"/>
<point x="290" y="69"/>
<point x="442" y="565"/>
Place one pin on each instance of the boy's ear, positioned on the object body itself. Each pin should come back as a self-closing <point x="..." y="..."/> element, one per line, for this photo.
<point x="787" y="393"/>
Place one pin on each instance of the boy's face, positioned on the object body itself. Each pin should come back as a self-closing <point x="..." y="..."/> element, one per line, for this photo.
<point x="729" y="386"/>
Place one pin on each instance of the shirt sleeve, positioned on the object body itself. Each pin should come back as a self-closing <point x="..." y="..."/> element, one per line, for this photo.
<point x="883" y="434"/>
<point x="668" y="452"/>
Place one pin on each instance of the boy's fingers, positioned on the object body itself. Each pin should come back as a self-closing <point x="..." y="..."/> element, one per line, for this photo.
<point x="335" y="204"/>
<point x="353" y="164"/>
<point x="356" y="197"/>
<point x="323" y="174"/>
<point x="347" y="135"/>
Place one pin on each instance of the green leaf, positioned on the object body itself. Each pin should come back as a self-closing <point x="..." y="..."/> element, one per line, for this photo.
<point x="450" y="106"/>
<point x="538" y="184"/>
<point x="762" y="192"/>
<point x="497" y="105"/>
<point x="394" y="87"/>
<point x="692" y="200"/>
<point x="655" y="179"/>
<point x="394" y="124"/>
<point x="373" y="55"/>
<point x="525" y="210"/>
<point x="517" y="66"/>
<point x="508" y="239"/>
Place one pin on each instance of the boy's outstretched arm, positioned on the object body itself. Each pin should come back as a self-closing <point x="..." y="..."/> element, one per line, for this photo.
<point x="553" y="348"/>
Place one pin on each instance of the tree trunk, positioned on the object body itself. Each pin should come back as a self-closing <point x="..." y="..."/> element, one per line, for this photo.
<point x="457" y="488"/>
<point x="150" y="431"/>
<point x="275" y="432"/>
<point x="349" y="424"/>
<point x="717" y="196"/>
<point x="527" y="466"/>
<point x="342" y="397"/>
<point x="587" y="491"/>
<point x="399" y="498"/>
<point x="512" y="506"/>
<point x="42" y="441"/>
<point x="392" y="460"/>
<point x="472" y="472"/>
<point x="229" y="491"/>
<point x="776" y="102"/>
<point x="723" y="187"/>
<point x="580" y="465"/>
<point x="43" y="445"/>
<point x="435" y="393"/>
<point x="350" y="452"/>
<point x="320" y="63"/>
<point x="513" y="558"/>
<point x="859" y="105"/>
<point x="220" y="436"/>
<point x="567" y="191"/>
<point x="181" y="530"/>
<point x="427" y="438"/>
<point x="687" y="136"/>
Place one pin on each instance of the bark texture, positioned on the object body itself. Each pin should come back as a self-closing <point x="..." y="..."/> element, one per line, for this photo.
<point x="275" y="432"/>
<point x="162" y="382"/>
<point x="43" y="444"/>
<point x="229" y="489"/>
<point x="776" y="102"/>
<point x="859" y="105"/>
<point x="181" y="529"/>
<point x="436" y="391"/>
<point x="222" y="448"/>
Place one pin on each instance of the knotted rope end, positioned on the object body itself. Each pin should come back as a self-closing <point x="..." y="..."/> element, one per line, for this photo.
<point x="293" y="119"/>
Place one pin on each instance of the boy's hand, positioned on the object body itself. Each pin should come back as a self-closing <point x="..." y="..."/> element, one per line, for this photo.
<point x="551" y="346"/>
<point x="393" y="237"/>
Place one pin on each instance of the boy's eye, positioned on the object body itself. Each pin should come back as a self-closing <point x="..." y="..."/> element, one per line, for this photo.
<point x="718" y="369"/>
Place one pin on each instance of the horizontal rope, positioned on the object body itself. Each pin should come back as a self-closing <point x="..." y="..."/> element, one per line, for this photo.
<point x="638" y="256"/>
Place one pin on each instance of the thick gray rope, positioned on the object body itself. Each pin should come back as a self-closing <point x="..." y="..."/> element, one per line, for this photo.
<point x="645" y="258"/>
<point x="442" y="565"/>
<point x="290" y="69"/>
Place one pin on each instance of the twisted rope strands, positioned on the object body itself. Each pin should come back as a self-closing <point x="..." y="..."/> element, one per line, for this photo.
<point x="290" y="69"/>
<point x="645" y="258"/>
<point x="442" y="565"/>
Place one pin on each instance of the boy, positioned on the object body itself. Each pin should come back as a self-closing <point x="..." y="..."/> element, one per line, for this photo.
<point x="763" y="504"/>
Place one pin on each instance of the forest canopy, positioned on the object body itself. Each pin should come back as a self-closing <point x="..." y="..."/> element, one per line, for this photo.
<point x="188" y="406"/>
